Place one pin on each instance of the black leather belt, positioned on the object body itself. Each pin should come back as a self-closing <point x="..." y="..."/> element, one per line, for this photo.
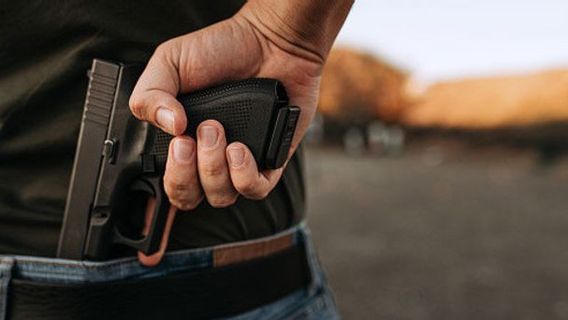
<point x="205" y="294"/>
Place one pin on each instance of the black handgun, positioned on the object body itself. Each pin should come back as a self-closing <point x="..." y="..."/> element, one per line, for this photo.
<point x="119" y="157"/>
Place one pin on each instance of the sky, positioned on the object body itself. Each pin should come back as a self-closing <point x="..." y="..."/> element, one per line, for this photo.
<point x="444" y="39"/>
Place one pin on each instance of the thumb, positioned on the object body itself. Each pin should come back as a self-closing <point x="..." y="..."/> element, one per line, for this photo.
<point x="225" y="51"/>
<point x="154" y="96"/>
<point x="155" y="258"/>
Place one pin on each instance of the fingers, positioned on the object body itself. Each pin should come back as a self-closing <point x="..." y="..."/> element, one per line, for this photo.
<point x="245" y="177"/>
<point x="181" y="180"/>
<point x="155" y="258"/>
<point x="210" y="169"/>
<point x="212" y="165"/>
<point x="225" y="172"/>
<point x="153" y="98"/>
<point x="159" y="108"/>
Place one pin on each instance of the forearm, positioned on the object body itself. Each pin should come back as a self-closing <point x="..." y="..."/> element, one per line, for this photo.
<point x="306" y="27"/>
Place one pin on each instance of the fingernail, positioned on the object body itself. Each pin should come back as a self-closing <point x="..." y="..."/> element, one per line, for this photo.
<point x="208" y="136"/>
<point x="183" y="151"/>
<point x="165" y="119"/>
<point x="236" y="156"/>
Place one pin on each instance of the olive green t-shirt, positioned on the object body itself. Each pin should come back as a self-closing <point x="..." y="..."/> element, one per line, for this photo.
<point x="46" y="48"/>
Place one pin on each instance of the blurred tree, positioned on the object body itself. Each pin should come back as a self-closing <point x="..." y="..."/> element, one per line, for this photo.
<point x="357" y="87"/>
<point x="493" y="102"/>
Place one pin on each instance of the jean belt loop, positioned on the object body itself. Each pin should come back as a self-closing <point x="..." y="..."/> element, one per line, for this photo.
<point x="6" y="265"/>
<point x="313" y="262"/>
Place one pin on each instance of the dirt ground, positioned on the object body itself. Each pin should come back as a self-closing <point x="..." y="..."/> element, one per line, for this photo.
<point x="442" y="231"/>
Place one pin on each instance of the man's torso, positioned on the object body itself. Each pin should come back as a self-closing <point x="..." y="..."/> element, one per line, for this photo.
<point x="45" y="49"/>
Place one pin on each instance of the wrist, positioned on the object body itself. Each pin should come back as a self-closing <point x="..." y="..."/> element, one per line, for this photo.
<point x="306" y="28"/>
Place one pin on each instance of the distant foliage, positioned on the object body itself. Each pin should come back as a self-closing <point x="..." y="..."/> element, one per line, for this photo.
<point x="493" y="102"/>
<point x="357" y="87"/>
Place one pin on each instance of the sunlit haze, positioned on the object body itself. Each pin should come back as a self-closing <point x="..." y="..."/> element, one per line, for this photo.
<point x="454" y="38"/>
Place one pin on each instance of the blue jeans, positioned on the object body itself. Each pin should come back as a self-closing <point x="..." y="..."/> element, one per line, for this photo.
<point x="312" y="302"/>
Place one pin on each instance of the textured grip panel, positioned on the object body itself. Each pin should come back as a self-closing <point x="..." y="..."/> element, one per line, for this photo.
<point x="246" y="109"/>
<point x="160" y="146"/>
<point x="235" y="115"/>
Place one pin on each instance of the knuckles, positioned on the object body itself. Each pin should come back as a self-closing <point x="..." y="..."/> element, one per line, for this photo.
<point x="175" y="187"/>
<point x="163" y="48"/>
<point x="247" y="189"/>
<point x="183" y="196"/>
<point x="176" y="183"/>
<point x="212" y="170"/>
<point x="221" y="201"/>
<point x="186" y="205"/>
<point x="260" y="195"/>
<point x="167" y="50"/>
<point x="185" y="201"/>
<point x="251" y="191"/>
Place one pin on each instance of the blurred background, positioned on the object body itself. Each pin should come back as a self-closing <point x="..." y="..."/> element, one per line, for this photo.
<point x="438" y="162"/>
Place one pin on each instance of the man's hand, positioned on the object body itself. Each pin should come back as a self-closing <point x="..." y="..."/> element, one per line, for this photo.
<point x="263" y="40"/>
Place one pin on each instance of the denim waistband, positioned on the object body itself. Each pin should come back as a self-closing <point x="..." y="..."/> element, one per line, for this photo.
<point x="53" y="270"/>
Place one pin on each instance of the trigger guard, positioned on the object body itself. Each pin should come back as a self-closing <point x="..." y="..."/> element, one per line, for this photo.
<point x="144" y="186"/>
<point x="150" y="243"/>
